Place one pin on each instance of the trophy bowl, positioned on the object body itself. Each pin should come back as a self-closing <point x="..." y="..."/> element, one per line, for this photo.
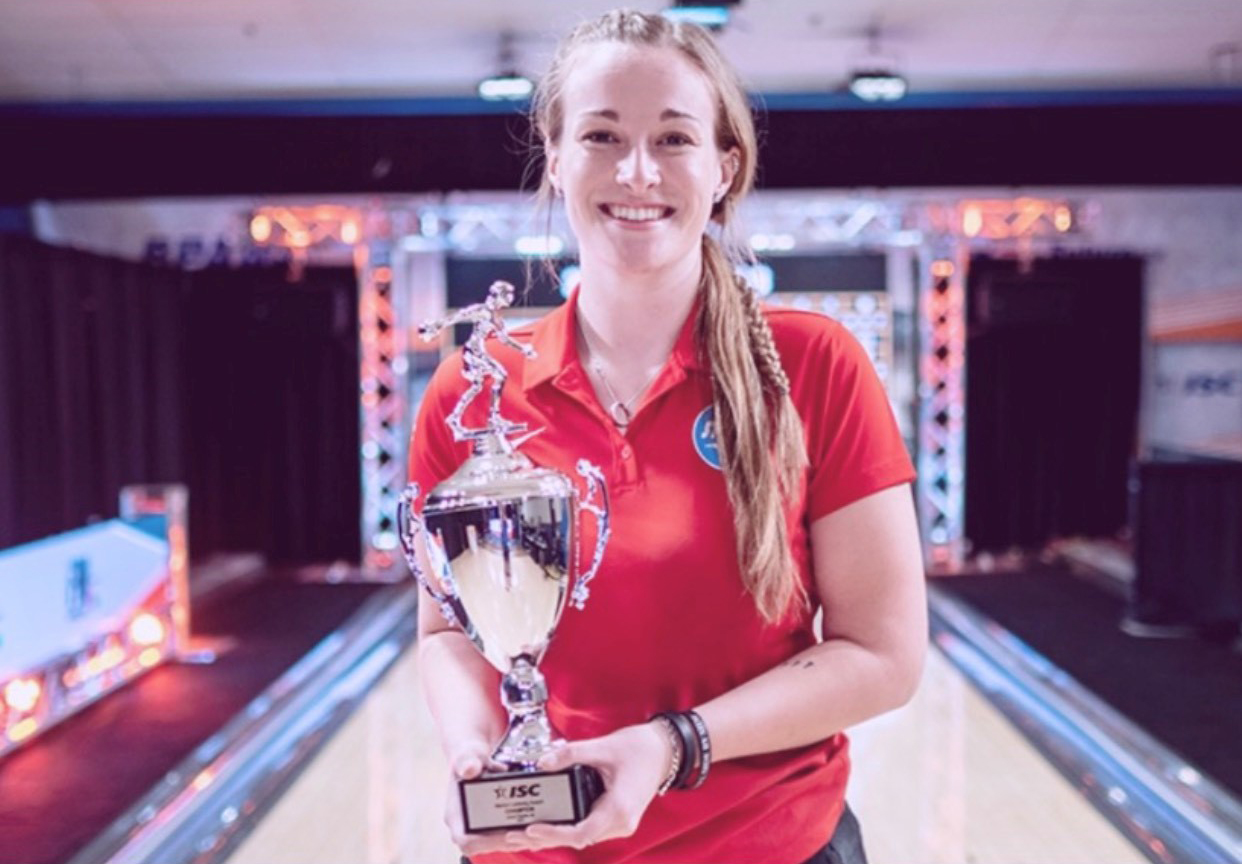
<point x="502" y="542"/>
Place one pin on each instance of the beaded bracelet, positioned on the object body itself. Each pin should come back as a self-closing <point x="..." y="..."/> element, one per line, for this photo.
<point x="691" y="769"/>
<point x="704" y="742"/>
<point x="690" y="755"/>
<point x="679" y="749"/>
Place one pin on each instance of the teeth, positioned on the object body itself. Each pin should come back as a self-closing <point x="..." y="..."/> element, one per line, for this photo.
<point x="637" y="214"/>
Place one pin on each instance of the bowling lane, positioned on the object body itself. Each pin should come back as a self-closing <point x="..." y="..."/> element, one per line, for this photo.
<point x="948" y="779"/>
<point x="945" y="779"/>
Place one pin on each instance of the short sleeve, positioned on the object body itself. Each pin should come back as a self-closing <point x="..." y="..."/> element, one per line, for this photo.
<point x="434" y="455"/>
<point x="854" y="445"/>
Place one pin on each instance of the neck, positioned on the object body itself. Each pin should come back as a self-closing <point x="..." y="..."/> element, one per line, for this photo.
<point x="633" y="319"/>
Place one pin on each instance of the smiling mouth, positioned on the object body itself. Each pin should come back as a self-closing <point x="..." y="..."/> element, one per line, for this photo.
<point x="636" y="214"/>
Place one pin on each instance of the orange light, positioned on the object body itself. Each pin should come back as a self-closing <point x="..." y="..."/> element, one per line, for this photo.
<point x="349" y="232"/>
<point x="383" y="274"/>
<point x="146" y="629"/>
<point x="1063" y="219"/>
<point x="972" y="220"/>
<point x="111" y="656"/>
<point x="942" y="269"/>
<point x="299" y="239"/>
<point x="22" y="694"/>
<point x="260" y="228"/>
<point x="23" y="729"/>
<point x="149" y="658"/>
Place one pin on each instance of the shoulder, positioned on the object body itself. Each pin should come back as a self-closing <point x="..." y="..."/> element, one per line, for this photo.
<point x="798" y="333"/>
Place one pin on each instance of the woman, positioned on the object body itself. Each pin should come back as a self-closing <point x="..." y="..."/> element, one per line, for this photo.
<point x="755" y="472"/>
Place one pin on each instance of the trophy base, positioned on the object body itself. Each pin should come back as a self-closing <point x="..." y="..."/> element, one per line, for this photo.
<point x="516" y="799"/>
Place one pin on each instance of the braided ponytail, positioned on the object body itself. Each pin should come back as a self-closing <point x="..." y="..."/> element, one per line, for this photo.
<point x="758" y="430"/>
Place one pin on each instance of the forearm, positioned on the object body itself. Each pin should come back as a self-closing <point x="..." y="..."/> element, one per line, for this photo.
<point x="819" y="692"/>
<point x="462" y="691"/>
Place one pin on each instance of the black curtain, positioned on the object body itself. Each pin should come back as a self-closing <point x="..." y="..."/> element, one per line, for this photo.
<point x="1188" y="546"/>
<point x="91" y="366"/>
<point x="272" y="384"/>
<point x="1053" y="373"/>
<point x="236" y="382"/>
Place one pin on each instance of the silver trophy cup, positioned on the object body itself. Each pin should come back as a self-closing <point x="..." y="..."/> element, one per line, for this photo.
<point x="502" y="541"/>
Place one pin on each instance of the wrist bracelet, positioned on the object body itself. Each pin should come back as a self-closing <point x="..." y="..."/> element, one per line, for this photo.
<point x="678" y="746"/>
<point x="704" y="743"/>
<point x="689" y="746"/>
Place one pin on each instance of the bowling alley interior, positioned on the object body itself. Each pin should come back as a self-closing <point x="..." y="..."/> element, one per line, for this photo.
<point x="224" y="227"/>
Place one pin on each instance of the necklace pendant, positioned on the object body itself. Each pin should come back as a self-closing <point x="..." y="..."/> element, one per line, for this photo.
<point x="620" y="413"/>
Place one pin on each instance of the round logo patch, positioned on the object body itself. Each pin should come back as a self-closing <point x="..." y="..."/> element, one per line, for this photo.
<point x="704" y="437"/>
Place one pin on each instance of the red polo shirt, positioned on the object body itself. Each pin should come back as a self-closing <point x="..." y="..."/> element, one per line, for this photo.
<point x="668" y="624"/>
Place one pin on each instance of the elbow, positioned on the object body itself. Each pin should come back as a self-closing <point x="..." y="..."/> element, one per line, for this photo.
<point x="908" y="674"/>
<point x="902" y="675"/>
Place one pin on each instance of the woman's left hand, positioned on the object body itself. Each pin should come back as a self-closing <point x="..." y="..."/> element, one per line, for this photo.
<point x="633" y="762"/>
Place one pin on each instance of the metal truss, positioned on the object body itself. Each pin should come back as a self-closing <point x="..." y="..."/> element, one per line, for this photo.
<point x="950" y="232"/>
<point x="334" y="233"/>
<point x="942" y="408"/>
<point x="945" y="230"/>
<point x="382" y="379"/>
<point x="811" y="220"/>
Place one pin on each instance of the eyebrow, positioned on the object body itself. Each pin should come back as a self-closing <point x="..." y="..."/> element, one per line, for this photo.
<point x="666" y="114"/>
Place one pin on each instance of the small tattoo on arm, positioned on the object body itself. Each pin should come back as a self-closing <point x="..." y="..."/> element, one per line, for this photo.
<point x="799" y="664"/>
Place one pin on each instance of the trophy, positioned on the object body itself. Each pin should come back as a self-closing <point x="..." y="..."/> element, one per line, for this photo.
<point x="503" y="546"/>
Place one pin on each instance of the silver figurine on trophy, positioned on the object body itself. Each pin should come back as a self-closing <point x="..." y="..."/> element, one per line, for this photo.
<point x="502" y="541"/>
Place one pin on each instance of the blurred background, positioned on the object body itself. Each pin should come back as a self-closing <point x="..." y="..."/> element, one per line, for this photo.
<point x="220" y="226"/>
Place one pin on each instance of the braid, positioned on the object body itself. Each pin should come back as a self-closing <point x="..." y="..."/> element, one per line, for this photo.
<point x="758" y="431"/>
<point x="766" y="356"/>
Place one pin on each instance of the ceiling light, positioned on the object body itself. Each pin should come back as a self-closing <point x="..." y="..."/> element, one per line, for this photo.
<point x="711" y="14"/>
<point x="875" y="77"/>
<point x="509" y="84"/>
<point x="877" y="85"/>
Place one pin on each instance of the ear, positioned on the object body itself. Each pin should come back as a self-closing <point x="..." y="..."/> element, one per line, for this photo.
<point x="552" y="154"/>
<point x="730" y="163"/>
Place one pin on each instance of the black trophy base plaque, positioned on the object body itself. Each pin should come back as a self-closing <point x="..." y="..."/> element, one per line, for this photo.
<point x="515" y="799"/>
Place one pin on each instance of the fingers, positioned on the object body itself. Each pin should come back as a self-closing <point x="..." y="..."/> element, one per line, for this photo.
<point x="468" y="766"/>
<point x="608" y="821"/>
<point x="563" y="754"/>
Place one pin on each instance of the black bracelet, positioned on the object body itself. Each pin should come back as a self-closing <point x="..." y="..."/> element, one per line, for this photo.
<point x="704" y="742"/>
<point x="690" y="756"/>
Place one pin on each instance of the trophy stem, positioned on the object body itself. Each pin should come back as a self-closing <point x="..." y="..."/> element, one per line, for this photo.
<point x="524" y="693"/>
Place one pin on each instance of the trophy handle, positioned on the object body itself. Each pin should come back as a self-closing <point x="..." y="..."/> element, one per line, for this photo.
<point x="409" y="525"/>
<point x="596" y="488"/>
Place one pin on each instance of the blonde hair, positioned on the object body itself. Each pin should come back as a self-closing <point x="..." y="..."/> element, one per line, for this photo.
<point x="758" y="431"/>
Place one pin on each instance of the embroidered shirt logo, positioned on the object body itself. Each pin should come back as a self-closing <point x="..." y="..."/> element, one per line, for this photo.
<point x="704" y="436"/>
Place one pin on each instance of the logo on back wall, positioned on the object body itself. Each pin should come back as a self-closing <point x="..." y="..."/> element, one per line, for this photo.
<point x="704" y="436"/>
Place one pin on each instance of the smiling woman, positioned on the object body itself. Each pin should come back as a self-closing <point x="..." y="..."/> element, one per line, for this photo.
<point x="756" y="477"/>
<point x="639" y="176"/>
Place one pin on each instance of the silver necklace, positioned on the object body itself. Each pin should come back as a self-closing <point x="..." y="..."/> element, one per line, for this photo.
<point x="620" y="411"/>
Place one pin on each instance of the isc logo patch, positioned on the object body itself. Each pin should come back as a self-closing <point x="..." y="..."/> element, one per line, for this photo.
<point x="704" y="437"/>
<point x="525" y="790"/>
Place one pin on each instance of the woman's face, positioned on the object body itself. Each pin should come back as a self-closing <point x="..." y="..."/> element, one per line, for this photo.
<point x="637" y="160"/>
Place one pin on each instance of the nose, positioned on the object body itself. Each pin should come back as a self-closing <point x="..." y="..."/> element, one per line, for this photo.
<point x="638" y="169"/>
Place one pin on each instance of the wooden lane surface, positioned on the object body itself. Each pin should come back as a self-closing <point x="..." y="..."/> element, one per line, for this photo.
<point x="945" y="780"/>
